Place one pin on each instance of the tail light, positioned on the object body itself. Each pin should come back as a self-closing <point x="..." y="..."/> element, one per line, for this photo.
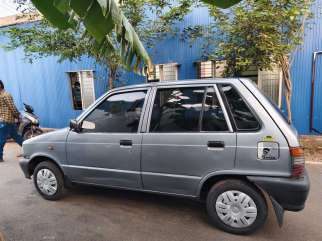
<point x="298" y="162"/>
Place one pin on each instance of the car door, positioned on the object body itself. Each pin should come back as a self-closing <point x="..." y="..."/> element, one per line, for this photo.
<point x="107" y="149"/>
<point x="261" y="146"/>
<point x="188" y="136"/>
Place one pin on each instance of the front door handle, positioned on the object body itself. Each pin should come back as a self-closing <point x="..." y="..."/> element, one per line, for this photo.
<point x="216" y="144"/>
<point x="126" y="143"/>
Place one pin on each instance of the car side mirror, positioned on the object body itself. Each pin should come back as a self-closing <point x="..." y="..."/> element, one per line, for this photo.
<point x="75" y="126"/>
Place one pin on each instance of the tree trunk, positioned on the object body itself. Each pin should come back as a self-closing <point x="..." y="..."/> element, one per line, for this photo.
<point x="112" y="75"/>
<point x="285" y="66"/>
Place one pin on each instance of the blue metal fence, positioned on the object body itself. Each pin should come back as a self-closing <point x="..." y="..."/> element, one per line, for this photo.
<point x="302" y="74"/>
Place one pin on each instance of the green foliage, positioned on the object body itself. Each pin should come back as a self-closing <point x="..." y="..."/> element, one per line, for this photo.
<point x="152" y="20"/>
<point x="101" y="29"/>
<point x="255" y="32"/>
<point x="102" y="20"/>
<point x="106" y="21"/>
<point x="221" y="3"/>
<point x="41" y="40"/>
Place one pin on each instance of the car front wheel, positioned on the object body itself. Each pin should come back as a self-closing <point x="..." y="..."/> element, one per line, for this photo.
<point x="49" y="180"/>
<point x="236" y="207"/>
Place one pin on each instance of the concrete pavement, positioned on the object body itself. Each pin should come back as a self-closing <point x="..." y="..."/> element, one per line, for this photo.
<point x="95" y="214"/>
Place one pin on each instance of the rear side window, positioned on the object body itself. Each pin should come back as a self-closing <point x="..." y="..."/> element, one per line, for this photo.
<point x="213" y="116"/>
<point x="187" y="109"/>
<point x="243" y="116"/>
<point x="177" y="110"/>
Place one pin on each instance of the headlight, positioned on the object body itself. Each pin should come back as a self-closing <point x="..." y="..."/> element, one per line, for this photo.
<point x="33" y="120"/>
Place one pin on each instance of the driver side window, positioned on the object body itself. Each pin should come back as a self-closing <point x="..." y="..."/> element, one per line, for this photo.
<point x="118" y="113"/>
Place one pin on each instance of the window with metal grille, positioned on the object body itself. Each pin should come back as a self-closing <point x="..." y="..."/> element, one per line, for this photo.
<point x="210" y="69"/>
<point x="250" y="73"/>
<point x="82" y="88"/>
<point x="270" y="82"/>
<point x="164" y="72"/>
<point x="206" y="69"/>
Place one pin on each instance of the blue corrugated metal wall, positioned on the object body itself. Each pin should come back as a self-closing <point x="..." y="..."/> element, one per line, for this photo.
<point x="45" y="84"/>
<point x="173" y="49"/>
<point x="301" y="75"/>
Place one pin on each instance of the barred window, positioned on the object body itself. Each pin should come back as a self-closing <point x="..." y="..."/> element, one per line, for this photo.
<point x="164" y="72"/>
<point x="82" y="88"/>
<point x="210" y="69"/>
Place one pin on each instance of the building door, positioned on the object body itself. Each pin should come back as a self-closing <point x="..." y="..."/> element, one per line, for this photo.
<point x="316" y="95"/>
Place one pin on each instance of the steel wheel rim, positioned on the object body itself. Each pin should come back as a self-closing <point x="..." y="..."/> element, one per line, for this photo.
<point x="236" y="209"/>
<point x="47" y="182"/>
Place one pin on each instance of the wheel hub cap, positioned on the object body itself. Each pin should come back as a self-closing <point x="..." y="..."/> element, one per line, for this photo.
<point x="47" y="182"/>
<point x="236" y="209"/>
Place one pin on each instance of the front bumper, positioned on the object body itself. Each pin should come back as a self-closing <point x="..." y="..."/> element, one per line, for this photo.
<point x="290" y="193"/>
<point x="24" y="164"/>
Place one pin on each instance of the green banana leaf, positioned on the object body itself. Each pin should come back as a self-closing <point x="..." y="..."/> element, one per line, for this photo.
<point x="221" y="3"/>
<point x="103" y="19"/>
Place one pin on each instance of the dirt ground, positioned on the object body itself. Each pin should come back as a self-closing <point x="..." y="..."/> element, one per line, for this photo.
<point x="312" y="147"/>
<point x="95" y="214"/>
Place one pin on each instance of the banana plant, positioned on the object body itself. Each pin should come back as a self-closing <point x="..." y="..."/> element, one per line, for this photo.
<point x="221" y="3"/>
<point x="105" y="22"/>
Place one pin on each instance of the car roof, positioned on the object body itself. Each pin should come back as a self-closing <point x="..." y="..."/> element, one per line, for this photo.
<point x="179" y="82"/>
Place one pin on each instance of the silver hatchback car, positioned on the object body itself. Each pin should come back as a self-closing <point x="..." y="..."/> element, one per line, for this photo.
<point x="221" y="141"/>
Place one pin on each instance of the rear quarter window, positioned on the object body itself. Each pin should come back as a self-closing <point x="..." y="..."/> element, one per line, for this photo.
<point x="244" y="118"/>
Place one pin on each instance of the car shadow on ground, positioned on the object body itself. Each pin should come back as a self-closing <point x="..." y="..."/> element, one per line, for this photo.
<point x="153" y="204"/>
<point x="136" y="200"/>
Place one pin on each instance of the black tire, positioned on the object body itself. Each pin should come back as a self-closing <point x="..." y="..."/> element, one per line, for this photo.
<point x="241" y="186"/>
<point x="60" y="187"/>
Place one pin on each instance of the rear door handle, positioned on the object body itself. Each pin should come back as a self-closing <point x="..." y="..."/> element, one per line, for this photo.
<point x="126" y="143"/>
<point x="216" y="144"/>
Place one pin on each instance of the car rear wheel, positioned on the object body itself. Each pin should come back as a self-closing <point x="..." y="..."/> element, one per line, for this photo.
<point x="49" y="181"/>
<point x="236" y="207"/>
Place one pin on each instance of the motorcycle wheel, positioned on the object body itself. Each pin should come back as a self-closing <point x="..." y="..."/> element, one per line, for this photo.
<point x="32" y="133"/>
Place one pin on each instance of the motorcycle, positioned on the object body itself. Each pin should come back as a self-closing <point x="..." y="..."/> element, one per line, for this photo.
<point x="29" y="123"/>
